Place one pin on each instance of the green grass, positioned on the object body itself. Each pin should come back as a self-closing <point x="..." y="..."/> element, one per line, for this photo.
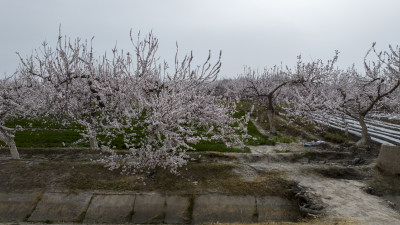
<point x="47" y="133"/>
<point x="238" y="114"/>
<point x="281" y="139"/>
<point x="47" y="138"/>
<point x="67" y="138"/>
<point x="253" y="131"/>
<point x="42" y="124"/>
<point x="260" y="139"/>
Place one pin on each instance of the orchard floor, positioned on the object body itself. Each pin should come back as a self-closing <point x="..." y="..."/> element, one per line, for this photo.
<point x="286" y="182"/>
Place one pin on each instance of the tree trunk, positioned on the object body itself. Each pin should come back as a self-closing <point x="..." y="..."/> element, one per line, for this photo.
<point x="9" y="140"/>
<point x="346" y="126"/>
<point x="262" y="116"/>
<point x="247" y="105"/>
<point x="13" y="149"/>
<point x="271" y="115"/>
<point x="258" y="113"/>
<point x="271" y="121"/>
<point x="365" y="137"/>
<point x="94" y="145"/>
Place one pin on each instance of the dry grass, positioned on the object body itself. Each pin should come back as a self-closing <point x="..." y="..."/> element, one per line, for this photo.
<point x="195" y="178"/>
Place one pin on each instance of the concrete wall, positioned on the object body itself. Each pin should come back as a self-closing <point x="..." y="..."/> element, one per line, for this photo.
<point x="143" y="208"/>
<point x="389" y="159"/>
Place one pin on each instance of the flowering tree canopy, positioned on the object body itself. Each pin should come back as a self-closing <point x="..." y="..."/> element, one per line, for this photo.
<point x="76" y="87"/>
<point x="348" y="92"/>
<point x="178" y="110"/>
<point x="158" y="112"/>
<point x="269" y="87"/>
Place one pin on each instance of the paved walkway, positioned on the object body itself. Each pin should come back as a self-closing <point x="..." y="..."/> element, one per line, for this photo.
<point x="142" y="208"/>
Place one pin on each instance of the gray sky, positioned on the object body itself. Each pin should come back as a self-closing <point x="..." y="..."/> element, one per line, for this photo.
<point x="249" y="32"/>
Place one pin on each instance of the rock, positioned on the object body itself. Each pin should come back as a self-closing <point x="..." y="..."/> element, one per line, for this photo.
<point x="371" y="191"/>
<point x="391" y="204"/>
<point x="388" y="159"/>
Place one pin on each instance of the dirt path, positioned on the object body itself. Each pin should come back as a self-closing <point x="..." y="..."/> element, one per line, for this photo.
<point x="341" y="198"/>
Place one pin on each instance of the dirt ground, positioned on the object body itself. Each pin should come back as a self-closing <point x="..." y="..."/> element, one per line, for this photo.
<point x="331" y="174"/>
<point x="339" y="196"/>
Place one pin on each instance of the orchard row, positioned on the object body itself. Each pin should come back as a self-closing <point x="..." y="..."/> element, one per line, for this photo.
<point x="161" y="110"/>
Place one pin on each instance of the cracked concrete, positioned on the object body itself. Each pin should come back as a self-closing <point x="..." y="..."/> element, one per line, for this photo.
<point x="143" y="208"/>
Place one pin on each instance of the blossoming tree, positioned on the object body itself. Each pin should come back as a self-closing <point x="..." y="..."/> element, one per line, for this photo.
<point x="178" y="110"/>
<point x="348" y="92"/>
<point x="77" y="87"/>
<point x="269" y="87"/>
<point x="157" y="112"/>
<point x="17" y="99"/>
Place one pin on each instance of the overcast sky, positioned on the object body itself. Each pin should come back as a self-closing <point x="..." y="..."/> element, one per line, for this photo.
<point x="257" y="33"/>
